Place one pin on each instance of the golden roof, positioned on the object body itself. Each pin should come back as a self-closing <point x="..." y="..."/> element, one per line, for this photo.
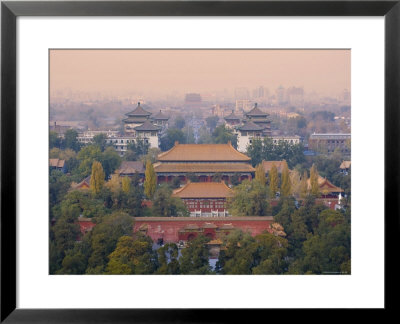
<point x="203" y="190"/>
<point x="202" y="167"/>
<point x="325" y="185"/>
<point x="203" y="152"/>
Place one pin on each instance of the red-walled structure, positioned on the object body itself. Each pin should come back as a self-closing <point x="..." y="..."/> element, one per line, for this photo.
<point x="175" y="229"/>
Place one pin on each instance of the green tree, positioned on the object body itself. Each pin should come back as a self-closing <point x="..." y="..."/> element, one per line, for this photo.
<point x="71" y="140"/>
<point x="271" y="254"/>
<point x="104" y="237"/>
<point x="86" y="156"/>
<point x="314" y="181"/>
<point x="249" y="199"/>
<point x="239" y="254"/>
<point x="152" y="155"/>
<point x="54" y="140"/>
<point x="166" y="206"/>
<point x="100" y="141"/>
<point x="126" y="184"/>
<point x="63" y="236"/>
<point x="211" y="122"/>
<point x="168" y="259"/>
<point x="255" y="152"/>
<point x="260" y="174"/>
<point x="137" y="150"/>
<point x="150" y="182"/>
<point x="97" y="178"/>
<point x="110" y="161"/>
<point x="223" y="135"/>
<point x="304" y="186"/>
<point x="286" y="188"/>
<point x="273" y="181"/>
<point x="194" y="259"/>
<point x="172" y="136"/>
<point x="132" y="256"/>
<point x="59" y="184"/>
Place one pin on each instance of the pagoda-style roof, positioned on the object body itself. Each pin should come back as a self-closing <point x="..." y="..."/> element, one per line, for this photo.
<point x="131" y="167"/>
<point x="203" y="152"/>
<point x="325" y="186"/>
<point x="203" y="168"/>
<point x="232" y="116"/>
<point x="135" y="120"/>
<point x="139" y="111"/>
<point x="267" y="165"/>
<point x="251" y="126"/>
<point x="147" y="126"/>
<point x="203" y="190"/>
<point x="83" y="185"/>
<point x="160" y="116"/>
<point x="345" y="165"/>
<point x="256" y="112"/>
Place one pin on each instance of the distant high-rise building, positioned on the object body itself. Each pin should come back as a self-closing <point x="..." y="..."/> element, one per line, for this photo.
<point x="295" y="96"/>
<point x="242" y="93"/>
<point x="280" y="95"/>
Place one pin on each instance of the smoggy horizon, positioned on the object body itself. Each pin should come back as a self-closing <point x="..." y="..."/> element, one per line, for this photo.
<point x="183" y="71"/>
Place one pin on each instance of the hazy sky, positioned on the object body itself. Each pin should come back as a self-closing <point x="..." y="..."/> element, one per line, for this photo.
<point x="164" y="71"/>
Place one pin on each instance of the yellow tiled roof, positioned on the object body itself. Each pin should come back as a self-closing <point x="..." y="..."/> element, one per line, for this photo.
<point x="202" y="167"/>
<point x="203" y="190"/>
<point x="203" y="152"/>
<point x="325" y="185"/>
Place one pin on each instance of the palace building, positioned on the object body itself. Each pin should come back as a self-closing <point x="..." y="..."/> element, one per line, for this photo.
<point x="205" y="199"/>
<point x="203" y="161"/>
<point x="232" y="120"/>
<point x="135" y="118"/>
<point x="254" y="125"/>
<point x="326" y="188"/>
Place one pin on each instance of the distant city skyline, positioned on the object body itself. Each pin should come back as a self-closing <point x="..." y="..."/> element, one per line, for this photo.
<point x="163" y="72"/>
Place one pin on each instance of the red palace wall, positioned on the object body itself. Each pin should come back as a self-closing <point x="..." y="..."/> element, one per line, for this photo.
<point x="168" y="229"/>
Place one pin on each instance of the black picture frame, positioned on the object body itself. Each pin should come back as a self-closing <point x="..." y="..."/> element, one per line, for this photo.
<point x="10" y="10"/>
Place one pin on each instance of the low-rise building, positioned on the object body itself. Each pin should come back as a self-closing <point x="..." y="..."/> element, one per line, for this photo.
<point x="328" y="143"/>
<point x="87" y="136"/>
<point x="57" y="164"/>
<point x="293" y="140"/>
<point x="203" y="161"/>
<point x="207" y="199"/>
<point x="326" y="188"/>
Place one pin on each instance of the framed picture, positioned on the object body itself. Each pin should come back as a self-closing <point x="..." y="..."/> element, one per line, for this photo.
<point x="49" y="50"/>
